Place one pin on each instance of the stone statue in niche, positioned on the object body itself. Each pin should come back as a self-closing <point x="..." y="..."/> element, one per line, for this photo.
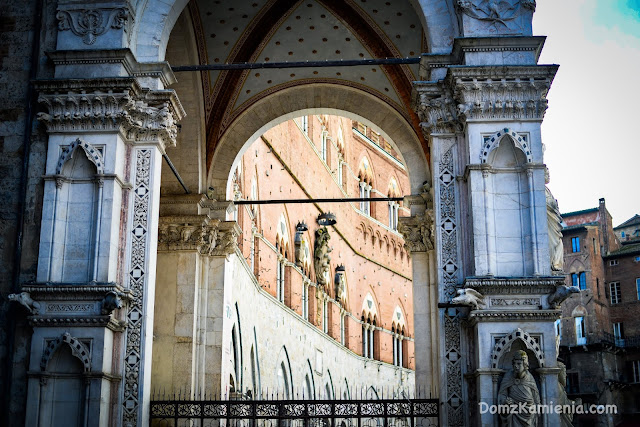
<point x="554" y="223"/>
<point x="566" y="417"/>
<point x="321" y="256"/>
<point x="519" y="390"/>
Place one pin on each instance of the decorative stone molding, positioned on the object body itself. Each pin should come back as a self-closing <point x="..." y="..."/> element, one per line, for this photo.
<point x="418" y="231"/>
<point x="504" y="346"/>
<point x="73" y="291"/>
<point x="514" y="286"/>
<point x="89" y="24"/>
<point x="78" y="349"/>
<point x="210" y="237"/>
<point x="110" y="104"/>
<point x="515" y="302"/>
<point x="514" y="316"/>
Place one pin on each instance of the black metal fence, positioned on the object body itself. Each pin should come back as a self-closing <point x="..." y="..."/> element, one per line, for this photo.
<point x="296" y="413"/>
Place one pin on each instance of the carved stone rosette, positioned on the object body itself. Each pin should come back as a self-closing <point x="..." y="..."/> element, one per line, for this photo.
<point x="110" y="104"/>
<point x="418" y="231"/>
<point x="210" y="237"/>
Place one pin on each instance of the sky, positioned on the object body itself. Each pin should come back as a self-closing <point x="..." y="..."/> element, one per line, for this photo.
<point x="592" y="127"/>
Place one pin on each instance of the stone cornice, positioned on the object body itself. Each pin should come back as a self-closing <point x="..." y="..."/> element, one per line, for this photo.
<point x="116" y="104"/>
<point x="50" y="291"/>
<point x="462" y="45"/>
<point x="513" y="316"/>
<point x="123" y="57"/>
<point x="514" y="286"/>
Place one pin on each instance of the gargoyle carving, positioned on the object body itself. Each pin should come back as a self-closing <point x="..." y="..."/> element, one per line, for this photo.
<point x="24" y="299"/>
<point x="469" y="297"/>
<point x="561" y="293"/>
<point x="110" y="302"/>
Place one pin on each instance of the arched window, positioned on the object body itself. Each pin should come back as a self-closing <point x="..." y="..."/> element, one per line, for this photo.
<point x="398" y="344"/>
<point x="368" y="336"/>
<point x="280" y="273"/>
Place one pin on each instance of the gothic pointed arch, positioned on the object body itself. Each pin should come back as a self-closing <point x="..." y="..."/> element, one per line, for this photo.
<point x="93" y="154"/>
<point x="492" y="142"/>
<point x="78" y="349"/>
<point x="503" y="347"/>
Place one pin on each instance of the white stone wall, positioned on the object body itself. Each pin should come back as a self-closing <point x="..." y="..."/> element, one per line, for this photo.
<point x="277" y="334"/>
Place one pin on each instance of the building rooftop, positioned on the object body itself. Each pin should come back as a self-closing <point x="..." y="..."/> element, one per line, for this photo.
<point x="584" y="211"/>
<point x="578" y="226"/>
<point x="627" y="248"/>
<point x="631" y="221"/>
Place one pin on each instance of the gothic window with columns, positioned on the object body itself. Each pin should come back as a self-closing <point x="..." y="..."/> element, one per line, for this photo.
<point x="368" y="336"/>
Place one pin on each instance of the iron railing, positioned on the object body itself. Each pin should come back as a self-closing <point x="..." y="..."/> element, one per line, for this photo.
<point x="296" y="413"/>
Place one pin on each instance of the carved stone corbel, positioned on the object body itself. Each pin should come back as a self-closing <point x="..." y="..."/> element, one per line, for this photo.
<point x="418" y="231"/>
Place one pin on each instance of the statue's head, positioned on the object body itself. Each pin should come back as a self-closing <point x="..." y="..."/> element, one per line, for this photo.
<point x="520" y="362"/>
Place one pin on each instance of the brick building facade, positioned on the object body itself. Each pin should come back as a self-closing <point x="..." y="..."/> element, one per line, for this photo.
<point x="600" y="325"/>
<point x="322" y="156"/>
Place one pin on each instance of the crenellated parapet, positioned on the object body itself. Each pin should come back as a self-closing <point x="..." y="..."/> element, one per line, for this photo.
<point x="110" y="105"/>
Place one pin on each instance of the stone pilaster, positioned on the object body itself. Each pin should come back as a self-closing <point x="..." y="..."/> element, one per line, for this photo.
<point x="190" y="325"/>
<point x="418" y="234"/>
<point x="100" y="223"/>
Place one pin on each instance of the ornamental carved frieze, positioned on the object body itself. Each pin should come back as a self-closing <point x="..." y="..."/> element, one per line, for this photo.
<point x="519" y="94"/>
<point x="483" y="94"/>
<point x="418" y="231"/>
<point x="110" y="104"/>
<point x="89" y="24"/>
<point x="207" y="236"/>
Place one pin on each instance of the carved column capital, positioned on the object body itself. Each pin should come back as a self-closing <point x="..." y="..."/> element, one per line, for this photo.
<point x="210" y="237"/>
<point x="110" y="104"/>
<point x="418" y="231"/>
<point x="436" y="109"/>
<point x="501" y="93"/>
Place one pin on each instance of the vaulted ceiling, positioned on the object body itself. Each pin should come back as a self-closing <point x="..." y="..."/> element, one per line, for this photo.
<point x="233" y="31"/>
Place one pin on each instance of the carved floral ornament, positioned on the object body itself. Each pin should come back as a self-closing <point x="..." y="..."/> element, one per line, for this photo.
<point x="89" y="24"/>
<point x="209" y="237"/>
<point x="418" y="231"/>
<point x="111" y="104"/>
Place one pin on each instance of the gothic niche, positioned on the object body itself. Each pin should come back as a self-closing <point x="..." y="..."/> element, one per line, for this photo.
<point x="321" y="257"/>
<point x="341" y="285"/>
<point x="519" y="354"/>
